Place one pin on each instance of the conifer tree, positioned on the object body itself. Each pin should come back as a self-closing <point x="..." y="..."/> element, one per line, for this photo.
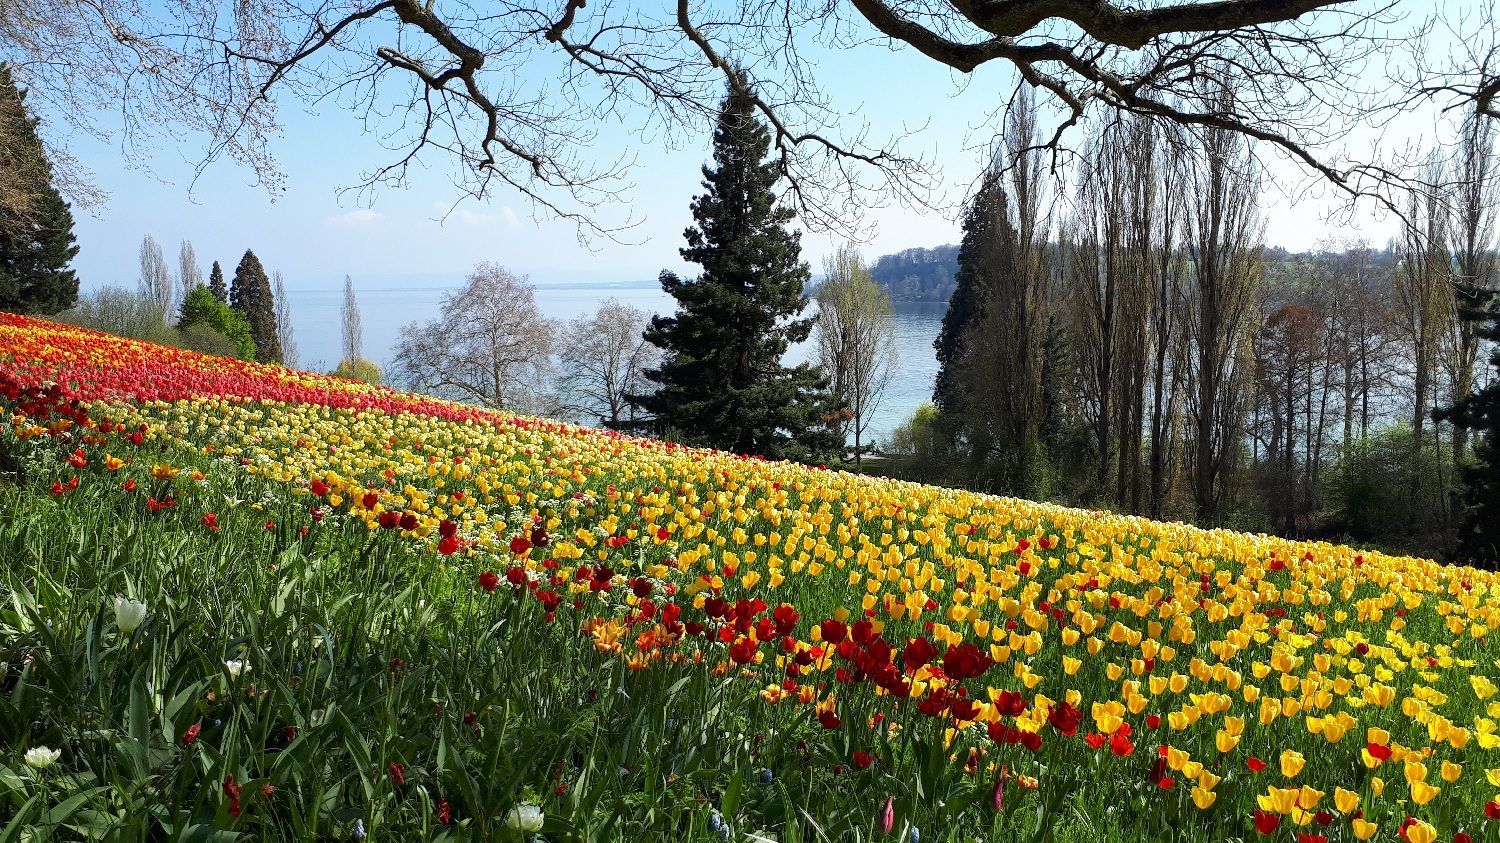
<point x="250" y="294"/>
<point x="216" y="284"/>
<point x="36" y="235"/>
<point x="982" y="218"/>
<point x="1479" y="535"/>
<point x="721" y="380"/>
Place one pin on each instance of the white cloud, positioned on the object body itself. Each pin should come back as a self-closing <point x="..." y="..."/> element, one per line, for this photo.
<point x="358" y="216"/>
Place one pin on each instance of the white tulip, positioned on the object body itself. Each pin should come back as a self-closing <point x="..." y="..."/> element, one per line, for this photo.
<point x="237" y="667"/>
<point x="129" y="614"/>
<point x="40" y="758"/>
<point x="524" y="818"/>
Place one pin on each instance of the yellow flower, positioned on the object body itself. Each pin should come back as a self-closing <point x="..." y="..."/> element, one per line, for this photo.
<point x="1363" y="829"/>
<point x="1422" y="792"/>
<point x="1345" y="800"/>
<point x="1419" y="832"/>
<point x="1291" y="763"/>
<point x="1450" y="771"/>
<point x="1203" y="798"/>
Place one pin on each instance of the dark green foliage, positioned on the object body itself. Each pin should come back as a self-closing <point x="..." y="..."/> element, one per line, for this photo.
<point x="206" y="340"/>
<point x="36" y="241"/>
<point x="1479" y="534"/>
<point x="721" y="381"/>
<point x="250" y="294"/>
<point x="967" y="302"/>
<point x="1369" y="490"/>
<point x="216" y="284"/>
<point x="200" y="309"/>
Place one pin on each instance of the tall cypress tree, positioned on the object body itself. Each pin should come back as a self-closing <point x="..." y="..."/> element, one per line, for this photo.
<point x="1479" y="535"/>
<point x="216" y="284"/>
<point x="721" y="381"/>
<point x="971" y="287"/>
<point x="250" y="294"/>
<point x="36" y="228"/>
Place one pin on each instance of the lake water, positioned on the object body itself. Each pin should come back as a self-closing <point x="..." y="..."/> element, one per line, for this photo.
<point x="384" y="310"/>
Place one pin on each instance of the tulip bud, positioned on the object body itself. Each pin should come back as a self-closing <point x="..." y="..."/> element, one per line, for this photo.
<point x="129" y="614"/>
<point x="888" y="815"/>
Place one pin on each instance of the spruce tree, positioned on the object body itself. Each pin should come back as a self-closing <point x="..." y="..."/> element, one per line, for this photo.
<point x="216" y="284"/>
<point x="721" y="381"/>
<point x="36" y="230"/>
<point x="250" y="294"/>
<point x="1479" y="535"/>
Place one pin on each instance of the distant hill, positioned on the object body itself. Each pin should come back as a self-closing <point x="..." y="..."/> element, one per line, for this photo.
<point x="917" y="274"/>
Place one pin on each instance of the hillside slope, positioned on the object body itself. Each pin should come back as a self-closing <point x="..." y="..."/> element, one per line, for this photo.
<point x="409" y="616"/>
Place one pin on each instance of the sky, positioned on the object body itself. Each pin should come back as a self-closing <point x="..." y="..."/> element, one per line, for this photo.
<point x="315" y="235"/>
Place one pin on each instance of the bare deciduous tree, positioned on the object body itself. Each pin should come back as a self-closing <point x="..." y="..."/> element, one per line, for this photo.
<point x="514" y="99"/>
<point x="284" y="330"/>
<point x="189" y="273"/>
<point x="156" y="280"/>
<point x="1223" y="239"/>
<point x="353" y="326"/>
<point x="489" y="345"/>
<point x="1476" y="199"/>
<point x="856" y="337"/>
<point x="602" y="358"/>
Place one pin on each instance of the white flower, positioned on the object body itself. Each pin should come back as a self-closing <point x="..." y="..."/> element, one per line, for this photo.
<point x="524" y="818"/>
<point x="129" y="614"/>
<point x="40" y="758"/>
<point x="236" y="667"/>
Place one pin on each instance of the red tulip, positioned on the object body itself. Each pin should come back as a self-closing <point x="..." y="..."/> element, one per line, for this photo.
<point x="489" y="581"/>
<point x="1266" y="823"/>
<point x="1255" y="764"/>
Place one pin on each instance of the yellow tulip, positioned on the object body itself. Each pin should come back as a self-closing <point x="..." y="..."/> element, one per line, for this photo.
<point x="1345" y="800"/>
<point x="1363" y="829"/>
<point x="1291" y="763"/>
<point x="1204" y="798"/>
<point x="1419" y="832"/>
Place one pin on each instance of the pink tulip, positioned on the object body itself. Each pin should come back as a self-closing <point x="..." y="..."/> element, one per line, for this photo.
<point x="888" y="815"/>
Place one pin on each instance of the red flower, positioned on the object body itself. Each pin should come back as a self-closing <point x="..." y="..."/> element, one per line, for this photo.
<point x="398" y="773"/>
<point x="1120" y="745"/>
<point x="368" y="500"/>
<point x="319" y="488"/>
<point x="1065" y="718"/>
<point x="289" y="733"/>
<point x="448" y="546"/>
<point x="918" y="652"/>
<point x="966" y="661"/>
<point x="77" y="459"/>
<point x="389" y="520"/>
<point x="519" y="545"/>
<point x="489" y="581"/>
<point x="1378" y="752"/>
<point x="862" y="759"/>
<point x="662" y="534"/>
<point x="1153" y="721"/>
<point x="445" y="812"/>
<point x="828" y="719"/>
<point x="128" y="485"/>
<point x="447" y="529"/>
<point x="1255" y="764"/>
<point x="409" y="521"/>
<point x="1461" y="837"/>
<point x="1492" y="810"/>
<point x="211" y="521"/>
<point x="833" y="631"/>
<point x="232" y="790"/>
<point x="1094" y="739"/>
<point x="191" y="735"/>
<point x="743" y="650"/>
<point x="1304" y="837"/>
<point x="1266" y="823"/>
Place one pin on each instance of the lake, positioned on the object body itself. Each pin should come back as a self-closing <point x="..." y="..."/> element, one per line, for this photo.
<point x="384" y="309"/>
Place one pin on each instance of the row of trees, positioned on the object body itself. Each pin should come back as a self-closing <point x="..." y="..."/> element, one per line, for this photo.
<point x="1138" y="349"/>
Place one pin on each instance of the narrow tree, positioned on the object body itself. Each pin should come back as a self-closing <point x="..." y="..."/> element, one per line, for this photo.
<point x="353" y="330"/>
<point x="1472" y="245"/>
<point x="604" y="357"/>
<point x="1425" y="310"/>
<point x="721" y="380"/>
<point x="489" y="345"/>
<point x="156" y="279"/>
<point x="856" y="341"/>
<point x="1223" y="238"/>
<point x="284" y="333"/>
<point x="216" y="283"/>
<point x="36" y="226"/>
<point x="250" y="294"/>
<point x="189" y="274"/>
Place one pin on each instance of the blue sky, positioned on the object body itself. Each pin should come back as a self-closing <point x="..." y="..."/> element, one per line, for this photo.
<point x="315" y="236"/>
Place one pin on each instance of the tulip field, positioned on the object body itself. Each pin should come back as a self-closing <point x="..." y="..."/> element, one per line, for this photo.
<point x="239" y="602"/>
